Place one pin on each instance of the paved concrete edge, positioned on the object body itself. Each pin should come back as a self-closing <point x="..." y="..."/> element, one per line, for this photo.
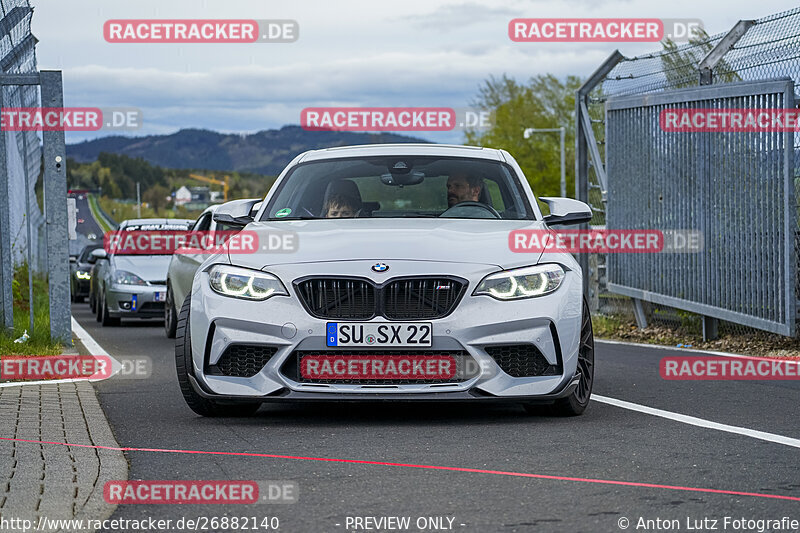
<point x="113" y="463"/>
<point x="67" y="481"/>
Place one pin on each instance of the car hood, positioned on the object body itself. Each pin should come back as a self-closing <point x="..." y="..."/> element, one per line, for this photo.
<point x="422" y="239"/>
<point x="147" y="267"/>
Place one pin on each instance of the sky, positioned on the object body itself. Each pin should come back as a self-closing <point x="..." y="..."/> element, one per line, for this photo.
<point x="425" y="53"/>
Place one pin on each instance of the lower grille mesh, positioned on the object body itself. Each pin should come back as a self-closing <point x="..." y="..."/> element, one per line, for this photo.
<point x="243" y="360"/>
<point x="522" y="360"/>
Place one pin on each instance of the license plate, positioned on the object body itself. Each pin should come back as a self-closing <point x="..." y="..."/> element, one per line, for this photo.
<point x="159" y="297"/>
<point x="401" y="334"/>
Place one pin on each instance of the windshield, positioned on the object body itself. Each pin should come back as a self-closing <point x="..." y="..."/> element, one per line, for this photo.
<point x="148" y="238"/>
<point x="399" y="187"/>
<point x="87" y="252"/>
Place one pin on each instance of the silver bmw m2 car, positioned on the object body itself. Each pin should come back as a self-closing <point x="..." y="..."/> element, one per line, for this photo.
<point x="385" y="272"/>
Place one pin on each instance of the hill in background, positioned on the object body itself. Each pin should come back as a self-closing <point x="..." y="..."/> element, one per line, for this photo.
<point x="266" y="152"/>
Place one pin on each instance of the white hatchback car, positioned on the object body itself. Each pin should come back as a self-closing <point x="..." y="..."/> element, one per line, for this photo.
<point x="385" y="272"/>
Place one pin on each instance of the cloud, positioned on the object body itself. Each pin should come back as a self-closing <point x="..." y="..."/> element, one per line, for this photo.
<point x="418" y="53"/>
<point x="457" y="16"/>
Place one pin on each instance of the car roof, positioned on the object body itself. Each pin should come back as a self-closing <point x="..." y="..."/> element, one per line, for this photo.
<point x="403" y="149"/>
<point x="147" y="221"/>
<point x="210" y="209"/>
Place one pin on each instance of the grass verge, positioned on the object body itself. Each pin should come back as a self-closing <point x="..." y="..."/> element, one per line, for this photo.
<point x="753" y="342"/>
<point x="101" y="220"/>
<point x="39" y="342"/>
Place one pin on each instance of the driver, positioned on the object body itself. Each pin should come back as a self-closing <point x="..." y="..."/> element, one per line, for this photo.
<point x="463" y="188"/>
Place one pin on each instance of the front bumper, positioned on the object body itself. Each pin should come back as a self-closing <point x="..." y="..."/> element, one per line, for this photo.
<point x="474" y="394"/>
<point x="136" y="301"/>
<point x="81" y="287"/>
<point x="550" y="323"/>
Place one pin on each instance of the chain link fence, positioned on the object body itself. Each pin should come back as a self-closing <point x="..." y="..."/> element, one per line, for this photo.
<point x="23" y="148"/>
<point x="767" y="48"/>
<point x="31" y="171"/>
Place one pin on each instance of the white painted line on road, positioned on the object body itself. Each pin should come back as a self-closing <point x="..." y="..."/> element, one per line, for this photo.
<point x="93" y="348"/>
<point x="691" y="350"/>
<point x="45" y="382"/>
<point x="699" y="422"/>
<point x="87" y="340"/>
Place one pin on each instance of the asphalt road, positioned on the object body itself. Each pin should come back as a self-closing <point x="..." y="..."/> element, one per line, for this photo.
<point x="86" y="225"/>
<point x="607" y="442"/>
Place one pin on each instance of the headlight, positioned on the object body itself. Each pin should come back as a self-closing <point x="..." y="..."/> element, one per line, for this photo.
<point x="524" y="282"/>
<point x="80" y="274"/>
<point x="244" y="283"/>
<point x="123" y="277"/>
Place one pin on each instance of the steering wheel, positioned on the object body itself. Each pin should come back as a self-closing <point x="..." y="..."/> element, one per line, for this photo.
<point x="448" y="213"/>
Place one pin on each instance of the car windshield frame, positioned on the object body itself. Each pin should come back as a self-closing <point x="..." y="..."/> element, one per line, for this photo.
<point x="515" y="188"/>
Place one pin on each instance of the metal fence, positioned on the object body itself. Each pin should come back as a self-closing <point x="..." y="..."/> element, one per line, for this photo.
<point x="23" y="148"/>
<point x="733" y="186"/>
<point x="730" y="187"/>
<point x="26" y="235"/>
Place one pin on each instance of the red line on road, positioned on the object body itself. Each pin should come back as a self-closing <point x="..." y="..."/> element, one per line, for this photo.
<point x="425" y="467"/>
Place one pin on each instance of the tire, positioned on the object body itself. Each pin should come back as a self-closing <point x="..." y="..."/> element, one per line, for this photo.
<point x="575" y="403"/>
<point x="78" y="299"/>
<point x="92" y="305"/>
<point x="170" y="318"/>
<point x="183" y="366"/>
<point x="107" y="320"/>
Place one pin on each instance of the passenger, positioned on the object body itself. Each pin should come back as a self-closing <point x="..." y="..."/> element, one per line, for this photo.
<point x="341" y="206"/>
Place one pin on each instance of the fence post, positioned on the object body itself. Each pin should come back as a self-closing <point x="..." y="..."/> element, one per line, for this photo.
<point x="713" y="57"/>
<point x="7" y="269"/>
<point x="584" y="135"/>
<point x="55" y="199"/>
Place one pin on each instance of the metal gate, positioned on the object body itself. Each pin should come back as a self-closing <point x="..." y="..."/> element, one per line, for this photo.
<point x="735" y="188"/>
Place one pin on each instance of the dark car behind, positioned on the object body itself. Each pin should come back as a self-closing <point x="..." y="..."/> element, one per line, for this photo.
<point x="80" y="272"/>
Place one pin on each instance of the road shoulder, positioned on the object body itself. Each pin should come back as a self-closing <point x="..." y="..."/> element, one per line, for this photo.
<point x="51" y="481"/>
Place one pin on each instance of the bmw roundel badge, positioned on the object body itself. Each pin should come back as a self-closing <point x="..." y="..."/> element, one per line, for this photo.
<point x="380" y="267"/>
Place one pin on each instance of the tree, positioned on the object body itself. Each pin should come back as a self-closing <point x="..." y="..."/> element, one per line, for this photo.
<point x="156" y="196"/>
<point x="680" y="63"/>
<point x="545" y="102"/>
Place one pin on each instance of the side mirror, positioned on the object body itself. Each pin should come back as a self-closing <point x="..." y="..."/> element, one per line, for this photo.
<point x="73" y="259"/>
<point x="566" y="211"/>
<point x="99" y="253"/>
<point x="236" y="212"/>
